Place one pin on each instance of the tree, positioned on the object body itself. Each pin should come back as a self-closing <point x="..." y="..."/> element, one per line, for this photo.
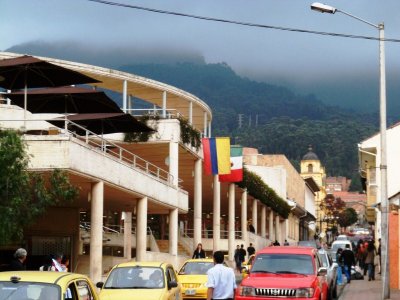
<point x="24" y="195"/>
<point x="332" y="208"/>
<point x="347" y="217"/>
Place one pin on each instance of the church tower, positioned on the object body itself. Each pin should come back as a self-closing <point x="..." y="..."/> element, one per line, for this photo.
<point x="310" y="166"/>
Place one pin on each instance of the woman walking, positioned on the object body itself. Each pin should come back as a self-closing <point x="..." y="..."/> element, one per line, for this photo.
<point x="199" y="252"/>
<point x="370" y="260"/>
<point x="340" y="266"/>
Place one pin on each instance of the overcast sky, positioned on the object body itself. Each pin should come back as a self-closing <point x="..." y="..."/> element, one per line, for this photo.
<point x="303" y="60"/>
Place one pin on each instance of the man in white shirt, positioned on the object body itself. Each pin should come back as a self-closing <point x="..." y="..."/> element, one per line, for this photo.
<point x="221" y="281"/>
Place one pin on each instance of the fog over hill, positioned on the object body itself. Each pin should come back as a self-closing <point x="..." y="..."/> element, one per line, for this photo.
<point x="359" y="94"/>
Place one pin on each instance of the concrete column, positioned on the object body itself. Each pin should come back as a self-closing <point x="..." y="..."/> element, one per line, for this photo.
<point x="124" y="95"/>
<point x="278" y="229"/>
<point x="231" y="221"/>
<point x="205" y="124"/>
<point x="209" y="129"/>
<point x="190" y="112"/>
<point x="254" y="215"/>
<point x="197" y="203"/>
<point x="244" y="216"/>
<point x="216" y="213"/>
<point x="174" y="162"/>
<point x="128" y="235"/>
<point x="263" y="220"/>
<point x="130" y="105"/>
<point x="173" y="231"/>
<point x="271" y="225"/>
<point x="96" y="232"/>
<point x="164" y="105"/>
<point x="141" y="229"/>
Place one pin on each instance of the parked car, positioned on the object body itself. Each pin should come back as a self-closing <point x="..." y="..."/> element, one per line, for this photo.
<point x="38" y="285"/>
<point x="331" y="275"/>
<point x="193" y="277"/>
<point x="310" y="243"/>
<point x="246" y="266"/>
<point x="141" y="280"/>
<point x="285" y="272"/>
<point x="342" y="237"/>
<point x="339" y="244"/>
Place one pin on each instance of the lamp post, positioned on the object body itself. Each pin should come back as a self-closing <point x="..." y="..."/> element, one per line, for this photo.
<point x="323" y="8"/>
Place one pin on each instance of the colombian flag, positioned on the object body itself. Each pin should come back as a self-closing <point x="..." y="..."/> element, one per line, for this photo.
<point x="236" y="174"/>
<point x="217" y="154"/>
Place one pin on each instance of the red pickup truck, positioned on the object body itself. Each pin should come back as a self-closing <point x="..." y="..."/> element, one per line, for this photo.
<point x="285" y="272"/>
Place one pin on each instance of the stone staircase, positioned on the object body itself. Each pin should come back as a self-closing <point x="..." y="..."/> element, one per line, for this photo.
<point x="163" y="245"/>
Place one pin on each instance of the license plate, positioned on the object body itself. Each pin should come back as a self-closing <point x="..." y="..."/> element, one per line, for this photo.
<point x="190" y="292"/>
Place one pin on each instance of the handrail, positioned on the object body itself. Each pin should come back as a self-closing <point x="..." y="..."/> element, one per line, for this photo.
<point x="113" y="228"/>
<point x="113" y="151"/>
<point x="205" y="233"/>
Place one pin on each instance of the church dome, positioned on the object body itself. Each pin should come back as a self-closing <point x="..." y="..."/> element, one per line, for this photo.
<point x="310" y="155"/>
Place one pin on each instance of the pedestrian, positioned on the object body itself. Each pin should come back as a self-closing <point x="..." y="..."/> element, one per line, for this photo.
<point x="65" y="263"/>
<point x="18" y="263"/>
<point x="221" y="281"/>
<point x="340" y="266"/>
<point x="251" y="250"/>
<point x="199" y="252"/>
<point x="251" y="228"/>
<point x="242" y="254"/>
<point x="276" y="243"/>
<point x="236" y="257"/>
<point x="370" y="260"/>
<point x="56" y="262"/>
<point x="380" y="257"/>
<point x="47" y="264"/>
<point x="348" y="260"/>
<point x="286" y="243"/>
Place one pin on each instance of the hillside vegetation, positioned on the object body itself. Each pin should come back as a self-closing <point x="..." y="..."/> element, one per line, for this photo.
<point x="273" y="119"/>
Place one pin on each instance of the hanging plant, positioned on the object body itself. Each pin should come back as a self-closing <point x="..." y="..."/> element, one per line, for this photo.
<point x="257" y="188"/>
<point x="189" y="135"/>
<point x="136" y="137"/>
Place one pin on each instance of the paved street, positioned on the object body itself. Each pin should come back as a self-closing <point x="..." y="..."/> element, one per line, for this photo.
<point x="365" y="290"/>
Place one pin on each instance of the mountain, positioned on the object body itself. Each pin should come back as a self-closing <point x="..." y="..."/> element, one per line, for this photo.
<point x="267" y="116"/>
<point x="273" y="119"/>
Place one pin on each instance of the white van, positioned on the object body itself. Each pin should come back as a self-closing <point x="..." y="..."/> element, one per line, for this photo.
<point x="339" y="244"/>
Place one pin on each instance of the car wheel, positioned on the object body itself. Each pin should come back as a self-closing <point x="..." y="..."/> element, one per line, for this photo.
<point x="329" y="293"/>
<point x="334" y="292"/>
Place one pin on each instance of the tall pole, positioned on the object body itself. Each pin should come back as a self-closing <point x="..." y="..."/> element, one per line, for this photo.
<point x="383" y="168"/>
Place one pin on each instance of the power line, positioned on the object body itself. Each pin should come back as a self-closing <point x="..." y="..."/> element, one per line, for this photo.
<point x="243" y="23"/>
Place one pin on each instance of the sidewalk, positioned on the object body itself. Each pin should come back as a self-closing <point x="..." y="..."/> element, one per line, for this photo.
<point x="366" y="290"/>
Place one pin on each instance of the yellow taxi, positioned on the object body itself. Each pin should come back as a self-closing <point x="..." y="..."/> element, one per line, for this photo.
<point x="39" y="285"/>
<point x="246" y="266"/>
<point x="141" y="280"/>
<point x="193" y="278"/>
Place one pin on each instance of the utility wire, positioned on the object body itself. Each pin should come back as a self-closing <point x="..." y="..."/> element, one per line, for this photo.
<point x="243" y="23"/>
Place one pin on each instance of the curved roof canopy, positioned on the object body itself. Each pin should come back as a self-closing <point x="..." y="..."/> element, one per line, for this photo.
<point x="144" y="88"/>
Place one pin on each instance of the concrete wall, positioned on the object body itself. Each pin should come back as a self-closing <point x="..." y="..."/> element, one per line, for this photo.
<point x="295" y="186"/>
<point x="274" y="177"/>
<point x="65" y="152"/>
<point x="394" y="250"/>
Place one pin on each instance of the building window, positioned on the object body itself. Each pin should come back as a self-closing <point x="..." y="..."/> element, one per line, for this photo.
<point x="310" y="168"/>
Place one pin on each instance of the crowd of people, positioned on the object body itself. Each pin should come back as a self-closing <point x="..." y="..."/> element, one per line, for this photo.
<point x="57" y="262"/>
<point x="365" y="256"/>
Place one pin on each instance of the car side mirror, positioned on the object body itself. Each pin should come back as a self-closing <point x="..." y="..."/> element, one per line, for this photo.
<point x="172" y="284"/>
<point x="100" y="285"/>
<point x="322" y="271"/>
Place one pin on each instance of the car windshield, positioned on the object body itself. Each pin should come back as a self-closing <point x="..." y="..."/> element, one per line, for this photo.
<point x="136" y="277"/>
<point x="283" y="264"/>
<point x="336" y="246"/>
<point x="195" y="268"/>
<point x="324" y="259"/>
<point x="28" y="290"/>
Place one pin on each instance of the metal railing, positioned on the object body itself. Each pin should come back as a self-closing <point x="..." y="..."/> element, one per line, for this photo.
<point x="117" y="153"/>
<point x="112" y="228"/>
<point x="208" y="234"/>
<point x="110" y="149"/>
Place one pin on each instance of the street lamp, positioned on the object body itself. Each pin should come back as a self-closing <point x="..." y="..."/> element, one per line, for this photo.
<point x="323" y="8"/>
